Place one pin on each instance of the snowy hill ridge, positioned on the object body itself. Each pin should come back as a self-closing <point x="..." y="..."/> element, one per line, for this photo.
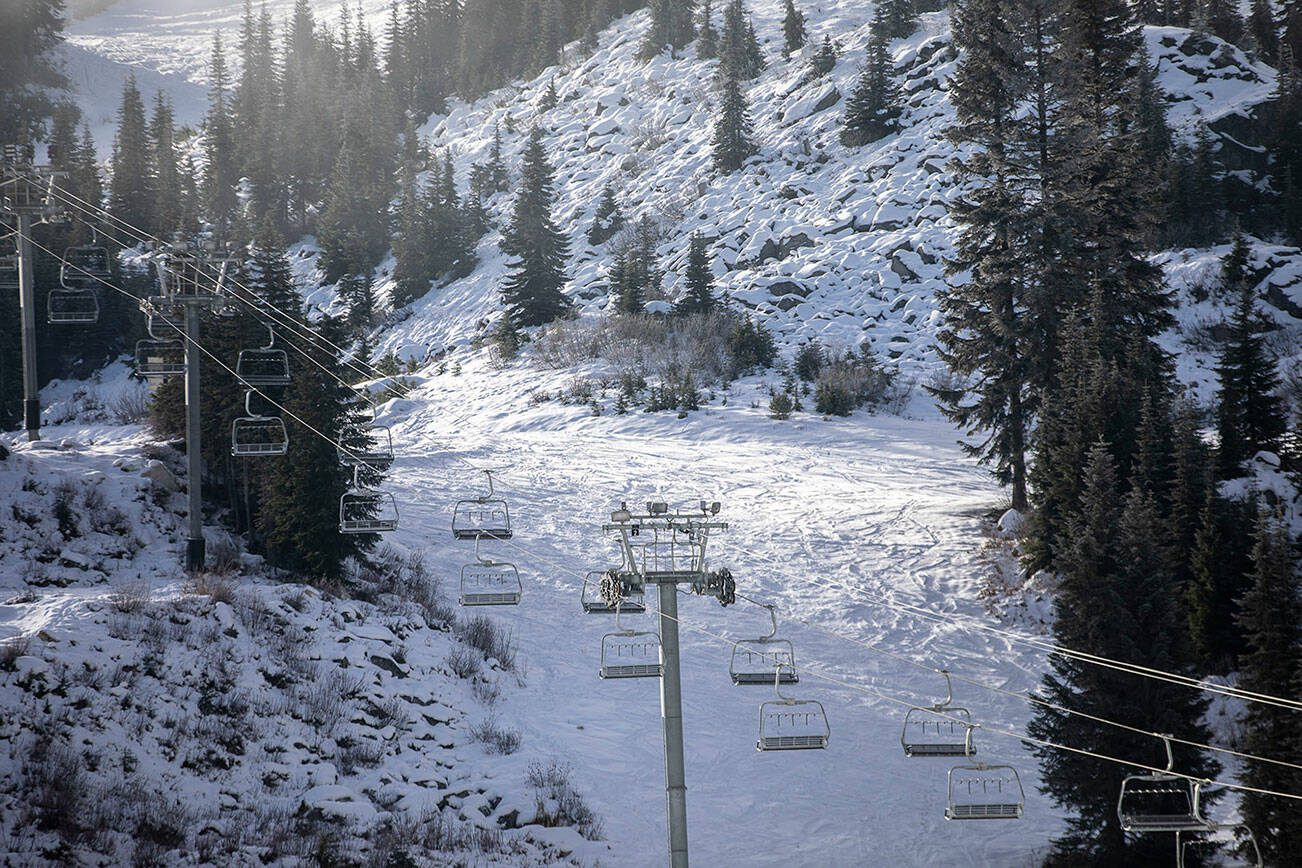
<point x="816" y="238"/>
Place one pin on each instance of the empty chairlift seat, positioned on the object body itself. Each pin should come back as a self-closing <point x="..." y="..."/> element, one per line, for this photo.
<point x="484" y="517"/>
<point x="792" y="724"/>
<point x="375" y="451"/>
<point x="264" y="366"/>
<point x="630" y="653"/>
<point x="254" y="435"/>
<point x="1161" y="801"/>
<point x="598" y="598"/>
<point x="72" y="307"/>
<point x="85" y="267"/>
<point x="756" y="661"/>
<point x="487" y="582"/>
<point x="1195" y="848"/>
<point x="157" y="358"/>
<point x="985" y="792"/>
<point x="940" y="730"/>
<point x="366" y="510"/>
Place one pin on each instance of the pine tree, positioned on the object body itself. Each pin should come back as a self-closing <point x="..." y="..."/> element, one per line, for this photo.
<point x="985" y="336"/>
<point x="873" y="106"/>
<point x="793" y="28"/>
<point x="739" y="52"/>
<point x="1221" y="18"/>
<point x="698" y="296"/>
<point x="1270" y="616"/>
<point x="899" y="18"/>
<point x="1249" y="415"/>
<point x="1263" y="31"/>
<point x="732" y="142"/>
<point x="131" y="199"/>
<point x="30" y="74"/>
<point x="824" y="59"/>
<point x="220" y="173"/>
<point x="497" y="174"/>
<point x="671" y="25"/>
<point x="166" y="177"/>
<point x="636" y="273"/>
<point x="609" y="218"/>
<point x="538" y="251"/>
<point x="1115" y="601"/>
<point x="549" y="97"/>
<point x="707" y="38"/>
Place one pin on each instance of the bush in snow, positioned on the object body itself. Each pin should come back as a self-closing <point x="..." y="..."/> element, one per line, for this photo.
<point x="559" y="803"/>
<point x="495" y="738"/>
<point x="850" y="382"/>
<point x="490" y="640"/>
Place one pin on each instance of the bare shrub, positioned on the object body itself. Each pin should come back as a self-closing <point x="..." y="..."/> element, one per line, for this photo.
<point x="213" y="586"/>
<point x="360" y="754"/>
<point x="223" y="554"/>
<point x="131" y="598"/>
<point x="391" y="712"/>
<point x="130" y="407"/>
<point x="559" y="803"/>
<point x="324" y="701"/>
<point x="496" y="739"/>
<point x="11" y="650"/>
<point x="56" y="782"/>
<point x="487" y="692"/>
<point x="464" y="663"/>
<point x="494" y="642"/>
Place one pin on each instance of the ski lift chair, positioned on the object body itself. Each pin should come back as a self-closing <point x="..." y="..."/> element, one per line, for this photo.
<point x="366" y="510"/>
<point x="791" y="724"/>
<point x="985" y="792"/>
<point x="1161" y="801"/>
<point x="939" y="730"/>
<point x="1186" y="847"/>
<point x="264" y="366"/>
<point x="72" y="307"/>
<point x="487" y="582"/>
<point x="378" y="451"/>
<point x="84" y="267"/>
<point x="484" y="516"/>
<point x="158" y="358"/>
<point x="754" y="660"/>
<point x="602" y="596"/>
<point x="254" y="435"/>
<point x="8" y="273"/>
<point x="630" y="653"/>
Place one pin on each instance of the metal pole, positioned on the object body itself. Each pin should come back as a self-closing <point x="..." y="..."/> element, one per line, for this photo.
<point x="194" y="545"/>
<point x="671" y="710"/>
<point x="27" y="304"/>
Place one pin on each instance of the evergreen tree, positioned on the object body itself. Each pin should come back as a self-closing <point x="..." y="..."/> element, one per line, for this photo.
<point x="824" y="59"/>
<point x="793" y="28"/>
<point x="1249" y="414"/>
<point x="671" y="25"/>
<point x="707" y="38"/>
<point x="873" y="106"/>
<point x="1114" y="601"/>
<point x="1270" y="616"/>
<point x="698" y="296"/>
<point x="609" y="218"/>
<point x="220" y="173"/>
<point x="899" y="18"/>
<point x="739" y="52"/>
<point x="1263" y="31"/>
<point x="636" y="273"/>
<point x="985" y="336"/>
<point x="498" y="177"/>
<point x="732" y="142"/>
<point x="1221" y="18"/>
<point x="132" y="199"/>
<point x="538" y="251"/>
<point x="30" y="76"/>
<point x="167" y="184"/>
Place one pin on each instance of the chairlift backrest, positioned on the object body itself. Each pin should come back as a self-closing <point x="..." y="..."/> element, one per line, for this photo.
<point x="985" y="792"/>
<point x="366" y="510"/>
<point x="1243" y="836"/>
<point x="941" y="729"/>
<point x="264" y="366"/>
<point x="84" y="267"/>
<point x="490" y="583"/>
<point x="485" y="516"/>
<point x="1161" y="801"/>
<point x="256" y="435"/>
<point x="158" y="358"/>
<point x="754" y="661"/>
<point x="72" y="306"/>
<point x="628" y="653"/>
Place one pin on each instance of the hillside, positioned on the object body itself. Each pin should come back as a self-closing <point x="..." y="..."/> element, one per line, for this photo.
<point x="844" y="524"/>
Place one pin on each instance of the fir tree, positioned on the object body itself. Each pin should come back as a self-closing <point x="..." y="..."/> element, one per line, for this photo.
<point x="30" y="74"/>
<point x="166" y="177"/>
<point x="1221" y="18"/>
<point x="532" y="291"/>
<point x="698" y="296"/>
<point x="873" y="106"/>
<point x="671" y="25"/>
<point x="1270" y="616"/>
<point x="898" y="18"/>
<point x="824" y="59"/>
<point x="732" y="142"/>
<point x="549" y="97"/>
<point x="498" y="177"/>
<point x="1263" y="31"/>
<point x="707" y="38"/>
<point x="1249" y="415"/>
<point x="635" y="273"/>
<point x="739" y="52"/>
<point x="131" y="199"/>
<point x="793" y="28"/>
<point x="220" y="173"/>
<point x="609" y="218"/>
